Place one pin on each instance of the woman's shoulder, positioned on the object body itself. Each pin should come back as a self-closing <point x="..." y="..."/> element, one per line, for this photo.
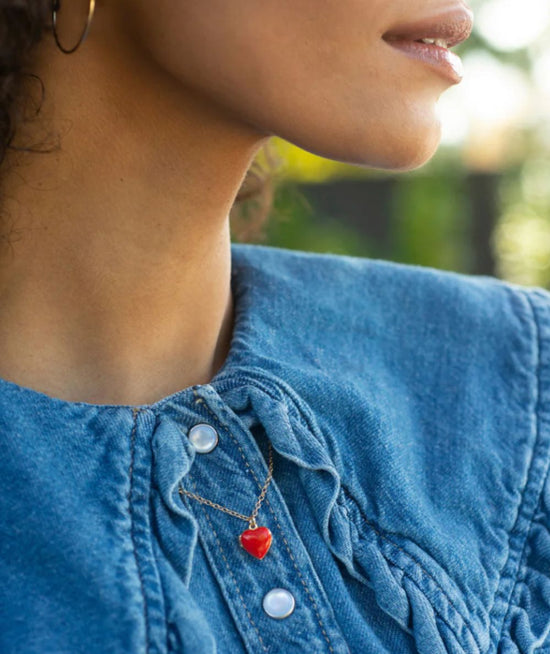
<point x="333" y="273"/>
<point x="338" y="300"/>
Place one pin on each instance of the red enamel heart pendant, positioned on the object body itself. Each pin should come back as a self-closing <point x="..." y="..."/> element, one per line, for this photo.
<point x="256" y="541"/>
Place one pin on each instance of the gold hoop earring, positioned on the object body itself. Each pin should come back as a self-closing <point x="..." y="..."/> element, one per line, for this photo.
<point x="55" y="8"/>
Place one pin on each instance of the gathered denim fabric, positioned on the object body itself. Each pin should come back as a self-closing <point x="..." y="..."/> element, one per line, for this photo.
<point x="409" y="413"/>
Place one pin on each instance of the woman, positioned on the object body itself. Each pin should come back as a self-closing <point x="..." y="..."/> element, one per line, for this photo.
<point x="227" y="448"/>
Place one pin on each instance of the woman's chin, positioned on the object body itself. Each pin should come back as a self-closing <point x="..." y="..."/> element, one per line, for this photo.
<point x="400" y="145"/>
<point x="404" y="159"/>
<point x="406" y="148"/>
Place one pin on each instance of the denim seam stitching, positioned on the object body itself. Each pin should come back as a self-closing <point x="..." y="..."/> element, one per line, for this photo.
<point x="527" y="485"/>
<point x="132" y="529"/>
<point x="301" y="578"/>
<point x="229" y="569"/>
<point x="383" y="536"/>
<point x="310" y="596"/>
<point x="511" y="290"/>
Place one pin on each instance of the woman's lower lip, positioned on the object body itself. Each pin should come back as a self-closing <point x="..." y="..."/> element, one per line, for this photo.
<point x="442" y="60"/>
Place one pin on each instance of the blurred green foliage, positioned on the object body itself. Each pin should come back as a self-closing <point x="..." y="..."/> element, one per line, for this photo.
<point x="295" y="225"/>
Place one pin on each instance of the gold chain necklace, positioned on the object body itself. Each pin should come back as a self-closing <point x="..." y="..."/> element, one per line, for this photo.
<point x="255" y="540"/>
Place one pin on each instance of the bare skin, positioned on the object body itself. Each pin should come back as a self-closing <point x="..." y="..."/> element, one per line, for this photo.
<point x="116" y="290"/>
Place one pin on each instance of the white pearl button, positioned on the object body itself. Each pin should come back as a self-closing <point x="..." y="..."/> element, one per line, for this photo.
<point x="203" y="437"/>
<point x="278" y="603"/>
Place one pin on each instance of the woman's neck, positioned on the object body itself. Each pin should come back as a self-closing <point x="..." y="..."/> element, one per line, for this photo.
<point x="115" y="288"/>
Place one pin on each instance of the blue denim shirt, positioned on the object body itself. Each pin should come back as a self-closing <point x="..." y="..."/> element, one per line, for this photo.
<point x="409" y="413"/>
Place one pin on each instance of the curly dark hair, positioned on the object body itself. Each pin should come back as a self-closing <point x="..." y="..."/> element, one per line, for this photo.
<point x="22" y="25"/>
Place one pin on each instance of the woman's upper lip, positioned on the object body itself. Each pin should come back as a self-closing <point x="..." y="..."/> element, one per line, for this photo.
<point x="453" y="26"/>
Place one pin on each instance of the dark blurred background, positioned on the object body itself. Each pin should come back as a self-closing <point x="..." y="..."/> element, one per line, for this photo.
<point x="481" y="205"/>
